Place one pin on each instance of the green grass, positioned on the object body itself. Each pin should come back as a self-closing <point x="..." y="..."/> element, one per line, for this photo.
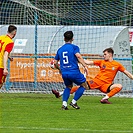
<point x="41" y="113"/>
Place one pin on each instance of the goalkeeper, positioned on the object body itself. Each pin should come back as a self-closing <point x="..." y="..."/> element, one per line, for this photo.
<point x="6" y="46"/>
<point x="105" y="77"/>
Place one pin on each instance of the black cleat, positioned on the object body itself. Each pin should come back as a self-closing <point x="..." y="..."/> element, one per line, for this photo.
<point x="74" y="105"/>
<point x="64" y="107"/>
<point x="56" y="93"/>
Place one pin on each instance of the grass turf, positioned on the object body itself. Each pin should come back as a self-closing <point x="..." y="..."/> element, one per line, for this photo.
<point x="41" y="113"/>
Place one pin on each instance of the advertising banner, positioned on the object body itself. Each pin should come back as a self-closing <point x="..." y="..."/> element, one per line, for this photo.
<point x="29" y="70"/>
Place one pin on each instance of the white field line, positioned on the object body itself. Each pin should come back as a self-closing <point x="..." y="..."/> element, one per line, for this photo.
<point x="67" y="129"/>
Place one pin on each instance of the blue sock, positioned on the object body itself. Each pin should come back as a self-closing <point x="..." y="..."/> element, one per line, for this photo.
<point x="79" y="93"/>
<point x="66" y="94"/>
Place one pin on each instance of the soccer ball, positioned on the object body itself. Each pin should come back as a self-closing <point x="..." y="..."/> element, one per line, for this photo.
<point x="52" y="65"/>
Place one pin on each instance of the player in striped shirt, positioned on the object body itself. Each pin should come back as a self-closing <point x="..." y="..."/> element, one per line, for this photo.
<point x="6" y="46"/>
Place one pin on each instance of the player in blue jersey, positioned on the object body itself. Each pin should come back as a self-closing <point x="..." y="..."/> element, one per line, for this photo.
<point x="69" y="56"/>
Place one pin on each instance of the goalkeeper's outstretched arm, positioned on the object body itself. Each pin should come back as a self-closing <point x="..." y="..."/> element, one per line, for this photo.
<point x="88" y="62"/>
<point x="128" y="74"/>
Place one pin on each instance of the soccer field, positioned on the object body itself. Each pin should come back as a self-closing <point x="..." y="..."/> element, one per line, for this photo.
<point x="41" y="113"/>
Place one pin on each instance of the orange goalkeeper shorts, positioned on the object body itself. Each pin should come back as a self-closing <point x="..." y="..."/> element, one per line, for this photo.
<point x="95" y="84"/>
<point x="99" y="85"/>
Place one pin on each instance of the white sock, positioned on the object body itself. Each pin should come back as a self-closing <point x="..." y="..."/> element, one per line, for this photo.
<point x="61" y="93"/>
<point x="106" y="97"/>
<point x="74" y="101"/>
<point x="64" y="103"/>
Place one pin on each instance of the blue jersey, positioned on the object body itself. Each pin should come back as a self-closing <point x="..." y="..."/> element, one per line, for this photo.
<point x="68" y="60"/>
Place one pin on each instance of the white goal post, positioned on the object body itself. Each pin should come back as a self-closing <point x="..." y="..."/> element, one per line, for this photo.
<point x="41" y="25"/>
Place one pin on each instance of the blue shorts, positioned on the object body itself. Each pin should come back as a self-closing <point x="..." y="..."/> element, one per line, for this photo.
<point x="69" y="79"/>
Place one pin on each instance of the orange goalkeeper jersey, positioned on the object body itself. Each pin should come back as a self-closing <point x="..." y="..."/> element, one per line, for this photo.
<point x="108" y="70"/>
<point x="6" y="44"/>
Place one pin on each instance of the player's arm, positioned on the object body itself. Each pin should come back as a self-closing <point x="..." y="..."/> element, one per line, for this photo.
<point x="9" y="48"/>
<point x="128" y="74"/>
<point x="5" y="62"/>
<point x="88" y="62"/>
<point x="81" y="60"/>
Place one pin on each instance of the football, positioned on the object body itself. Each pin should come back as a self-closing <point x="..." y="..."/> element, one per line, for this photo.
<point x="52" y="64"/>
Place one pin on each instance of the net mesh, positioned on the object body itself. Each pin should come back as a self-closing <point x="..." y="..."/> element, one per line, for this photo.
<point x="97" y="24"/>
<point x="74" y="12"/>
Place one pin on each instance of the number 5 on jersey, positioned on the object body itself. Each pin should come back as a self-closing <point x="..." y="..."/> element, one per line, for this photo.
<point x="65" y="58"/>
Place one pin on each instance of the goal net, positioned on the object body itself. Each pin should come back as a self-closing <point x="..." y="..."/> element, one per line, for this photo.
<point x="97" y="24"/>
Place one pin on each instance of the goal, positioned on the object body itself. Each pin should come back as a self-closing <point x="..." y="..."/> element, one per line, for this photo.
<point x="97" y="24"/>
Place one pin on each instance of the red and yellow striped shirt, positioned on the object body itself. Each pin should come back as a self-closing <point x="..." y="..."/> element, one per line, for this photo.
<point x="6" y="44"/>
